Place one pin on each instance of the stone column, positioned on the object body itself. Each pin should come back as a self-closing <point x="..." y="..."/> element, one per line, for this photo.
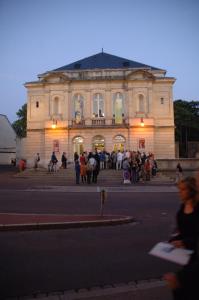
<point x="108" y="107"/>
<point x="51" y="104"/>
<point x="70" y="105"/>
<point x="88" y="107"/>
<point x="150" y="100"/>
<point x="29" y="107"/>
<point x="47" y="104"/>
<point x="65" y="105"/>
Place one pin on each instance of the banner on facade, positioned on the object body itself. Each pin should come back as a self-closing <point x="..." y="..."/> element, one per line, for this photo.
<point x="56" y="145"/>
<point x="141" y="143"/>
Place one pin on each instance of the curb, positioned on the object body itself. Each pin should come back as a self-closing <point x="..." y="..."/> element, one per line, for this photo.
<point x="152" y="289"/>
<point x="66" y="225"/>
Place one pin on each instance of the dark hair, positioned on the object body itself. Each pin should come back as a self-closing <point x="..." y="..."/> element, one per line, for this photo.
<point x="191" y="185"/>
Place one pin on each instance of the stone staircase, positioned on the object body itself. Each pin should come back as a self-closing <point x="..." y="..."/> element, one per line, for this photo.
<point x="162" y="178"/>
<point x="66" y="177"/>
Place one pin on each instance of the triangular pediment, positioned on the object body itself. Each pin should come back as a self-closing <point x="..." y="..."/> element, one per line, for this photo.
<point x="55" y="77"/>
<point x="141" y="75"/>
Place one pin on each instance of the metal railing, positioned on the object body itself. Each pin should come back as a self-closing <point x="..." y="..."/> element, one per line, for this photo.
<point x="98" y="122"/>
<point x="80" y="123"/>
<point x="124" y="122"/>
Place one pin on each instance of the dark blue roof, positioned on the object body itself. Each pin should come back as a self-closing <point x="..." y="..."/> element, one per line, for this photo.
<point x="104" y="60"/>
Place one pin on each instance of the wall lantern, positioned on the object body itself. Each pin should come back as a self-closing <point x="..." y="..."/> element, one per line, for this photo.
<point x="141" y="122"/>
<point x="54" y="124"/>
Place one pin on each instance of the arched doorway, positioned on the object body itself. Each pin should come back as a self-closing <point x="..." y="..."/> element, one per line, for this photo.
<point x="119" y="143"/>
<point x="78" y="144"/>
<point x="98" y="143"/>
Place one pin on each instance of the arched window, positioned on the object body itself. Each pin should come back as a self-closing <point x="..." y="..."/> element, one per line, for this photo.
<point x="78" y="101"/>
<point x="119" y="143"/>
<point x="98" y="106"/>
<point x="78" y="144"/>
<point x="98" y="143"/>
<point x="119" y="139"/>
<point x="118" y="108"/>
<point x="141" y="103"/>
<point x="56" y="105"/>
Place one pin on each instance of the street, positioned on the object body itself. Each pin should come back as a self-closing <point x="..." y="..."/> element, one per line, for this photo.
<point x="57" y="260"/>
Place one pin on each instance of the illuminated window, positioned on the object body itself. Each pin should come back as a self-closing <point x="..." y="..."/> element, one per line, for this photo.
<point x="98" y="106"/>
<point x="119" y="143"/>
<point x="98" y="143"/>
<point x="78" y="144"/>
<point x="119" y="139"/>
<point x="78" y="140"/>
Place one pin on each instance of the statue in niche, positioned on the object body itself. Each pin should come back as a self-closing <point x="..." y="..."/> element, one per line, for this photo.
<point x="118" y="109"/>
<point x="78" y="110"/>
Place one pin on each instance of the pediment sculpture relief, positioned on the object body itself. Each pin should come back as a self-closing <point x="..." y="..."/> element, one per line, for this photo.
<point x="55" y="78"/>
<point x="141" y="75"/>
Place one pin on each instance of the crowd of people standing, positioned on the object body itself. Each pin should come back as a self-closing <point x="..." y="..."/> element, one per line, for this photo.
<point x="136" y="166"/>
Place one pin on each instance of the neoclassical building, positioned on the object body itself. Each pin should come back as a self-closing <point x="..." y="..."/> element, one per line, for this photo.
<point x="104" y="102"/>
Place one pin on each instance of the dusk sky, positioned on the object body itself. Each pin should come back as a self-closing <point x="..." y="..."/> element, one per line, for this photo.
<point x="41" y="35"/>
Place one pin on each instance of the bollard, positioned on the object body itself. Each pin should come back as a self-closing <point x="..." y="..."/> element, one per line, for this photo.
<point x="102" y="200"/>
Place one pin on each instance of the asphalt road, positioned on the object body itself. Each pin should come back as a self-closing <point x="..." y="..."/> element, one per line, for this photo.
<point x="57" y="260"/>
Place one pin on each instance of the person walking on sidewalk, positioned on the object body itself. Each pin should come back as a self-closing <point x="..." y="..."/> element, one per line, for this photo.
<point x="54" y="161"/>
<point x="184" y="283"/>
<point x="179" y="174"/>
<point x="36" y="161"/>
<point x="64" y="161"/>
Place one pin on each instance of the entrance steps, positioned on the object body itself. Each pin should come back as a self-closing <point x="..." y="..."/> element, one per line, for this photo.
<point x="161" y="177"/>
<point x="108" y="177"/>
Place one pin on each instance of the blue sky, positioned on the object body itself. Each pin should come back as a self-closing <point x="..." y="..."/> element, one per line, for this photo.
<point x="41" y="35"/>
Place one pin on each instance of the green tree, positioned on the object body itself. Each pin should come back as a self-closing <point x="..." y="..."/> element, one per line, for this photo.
<point x="186" y="116"/>
<point x="21" y="124"/>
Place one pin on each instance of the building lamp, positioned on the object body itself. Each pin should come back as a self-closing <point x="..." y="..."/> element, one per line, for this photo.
<point x="54" y="124"/>
<point x="141" y="122"/>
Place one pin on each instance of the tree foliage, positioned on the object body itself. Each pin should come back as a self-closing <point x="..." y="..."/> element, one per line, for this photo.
<point x="21" y="123"/>
<point x="186" y="116"/>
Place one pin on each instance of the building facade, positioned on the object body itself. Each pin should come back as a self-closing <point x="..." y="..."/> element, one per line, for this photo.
<point x="104" y="102"/>
<point x="7" y="141"/>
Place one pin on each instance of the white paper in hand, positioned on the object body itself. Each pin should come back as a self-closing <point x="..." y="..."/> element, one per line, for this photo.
<point x="169" y="252"/>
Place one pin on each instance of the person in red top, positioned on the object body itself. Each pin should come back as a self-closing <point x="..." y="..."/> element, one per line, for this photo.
<point x="82" y="159"/>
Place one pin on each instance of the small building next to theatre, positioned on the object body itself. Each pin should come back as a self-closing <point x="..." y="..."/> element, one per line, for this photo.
<point x="104" y="102"/>
<point x="7" y="141"/>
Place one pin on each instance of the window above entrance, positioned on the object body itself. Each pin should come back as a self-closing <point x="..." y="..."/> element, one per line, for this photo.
<point x="98" y="106"/>
<point x="98" y="143"/>
<point x="119" y="139"/>
<point x="119" y="143"/>
<point x="78" y="140"/>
